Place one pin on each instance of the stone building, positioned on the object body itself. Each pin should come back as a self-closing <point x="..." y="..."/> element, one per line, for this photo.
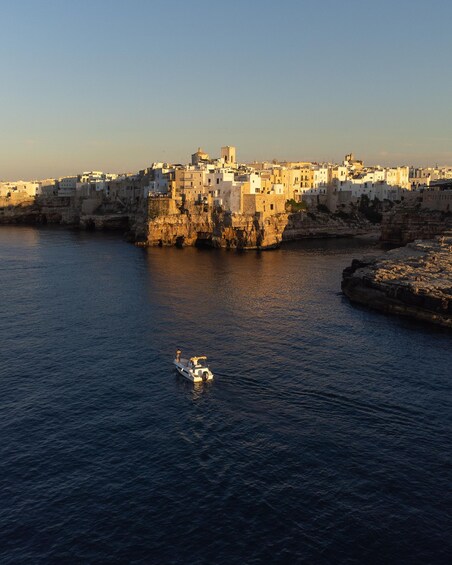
<point x="199" y="157"/>
<point x="228" y="156"/>
<point x="437" y="199"/>
<point x="265" y="204"/>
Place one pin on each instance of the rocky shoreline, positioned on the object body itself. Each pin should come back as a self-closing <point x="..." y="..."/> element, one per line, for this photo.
<point x="413" y="281"/>
<point x="249" y="232"/>
<point x="161" y="224"/>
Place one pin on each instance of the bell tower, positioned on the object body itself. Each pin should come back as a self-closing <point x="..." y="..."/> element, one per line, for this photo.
<point x="228" y="155"/>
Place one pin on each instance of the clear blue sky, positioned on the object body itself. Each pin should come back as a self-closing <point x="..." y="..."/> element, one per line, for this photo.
<point x="117" y="84"/>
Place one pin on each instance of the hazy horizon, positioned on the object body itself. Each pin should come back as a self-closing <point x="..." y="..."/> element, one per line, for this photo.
<point x="187" y="160"/>
<point x="115" y="86"/>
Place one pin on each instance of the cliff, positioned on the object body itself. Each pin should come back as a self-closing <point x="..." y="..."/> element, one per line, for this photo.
<point x="86" y="213"/>
<point x="404" y="224"/>
<point x="199" y="224"/>
<point x="158" y="221"/>
<point x="317" y="224"/>
<point x="414" y="281"/>
<point x="203" y="226"/>
<point x="243" y="231"/>
<point x="24" y="213"/>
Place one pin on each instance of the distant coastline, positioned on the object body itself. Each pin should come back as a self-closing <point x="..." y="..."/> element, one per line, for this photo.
<point x="220" y="202"/>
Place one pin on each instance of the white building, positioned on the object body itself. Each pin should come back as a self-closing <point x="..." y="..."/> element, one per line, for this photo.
<point x="320" y="177"/>
<point x="28" y="188"/>
<point x="337" y="174"/>
<point x="228" y="194"/>
<point x="162" y="177"/>
<point x="67" y="186"/>
<point x="398" y="176"/>
<point x="254" y="180"/>
<point x="441" y="173"/>
<point x="379" y="189"/>
<point x="223" y="188"/>
<point x="218" y="176"/>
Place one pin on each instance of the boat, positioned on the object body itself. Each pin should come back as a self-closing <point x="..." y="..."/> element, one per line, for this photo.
<point x="194" y="369"/>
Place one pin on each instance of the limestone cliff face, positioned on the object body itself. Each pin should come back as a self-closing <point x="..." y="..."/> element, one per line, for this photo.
<point x="35" y="211"/>
<point x="23" y="214"/>
<point x="304" y="224"/>
<point x="243" y="231"/>
<point x="404" y="224"/>
<point x="216" y="229"/>
<point x="158" y="221"/>
<point x="203" y="225"/>
<point x="178" y="228"/>
<point x="414" y="281"/>
<point x="86" y="213"/>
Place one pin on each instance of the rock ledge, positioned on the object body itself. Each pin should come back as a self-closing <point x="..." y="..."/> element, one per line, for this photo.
<point x="415" y="281"/>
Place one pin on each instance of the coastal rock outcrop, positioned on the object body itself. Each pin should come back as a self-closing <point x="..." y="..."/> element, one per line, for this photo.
<point x="204" y="225"/>
<point x="242" y="231"/>
<point x="303" y="224"/>
<point x="84" y="213"/>
<point x="414" y="281"/>
<point x="164" y="221"/>
<point x="216" y="228"/>
<point x="404" y="224"/>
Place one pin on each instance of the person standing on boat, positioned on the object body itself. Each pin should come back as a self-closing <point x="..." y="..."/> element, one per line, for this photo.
<point x="178" y="354"/>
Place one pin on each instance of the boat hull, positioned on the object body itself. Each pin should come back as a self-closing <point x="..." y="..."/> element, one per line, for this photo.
<point x="191" y="376"/>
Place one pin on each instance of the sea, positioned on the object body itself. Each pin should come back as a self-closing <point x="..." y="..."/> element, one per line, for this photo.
<point x="325" y="437"/>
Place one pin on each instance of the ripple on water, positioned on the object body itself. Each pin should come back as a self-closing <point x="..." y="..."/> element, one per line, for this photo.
<point x="323" y="439"/>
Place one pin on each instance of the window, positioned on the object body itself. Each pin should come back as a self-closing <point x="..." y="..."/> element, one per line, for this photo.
<point x="218" y="181"/>
<point x="271" y="206"/>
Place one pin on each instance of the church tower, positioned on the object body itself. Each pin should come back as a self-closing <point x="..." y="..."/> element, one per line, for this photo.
<point x="228" y="155"/>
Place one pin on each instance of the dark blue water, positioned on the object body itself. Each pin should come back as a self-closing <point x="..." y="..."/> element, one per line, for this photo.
<point x="325" y="437"/>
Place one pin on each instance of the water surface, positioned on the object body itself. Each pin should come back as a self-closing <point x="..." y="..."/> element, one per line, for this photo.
<point x="325" y="437"/>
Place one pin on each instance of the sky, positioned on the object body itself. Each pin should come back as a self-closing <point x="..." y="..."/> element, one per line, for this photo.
<point x="116" y="85"/>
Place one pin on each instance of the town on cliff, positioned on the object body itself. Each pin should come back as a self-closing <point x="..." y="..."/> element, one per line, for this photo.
<point x="220" y="202"/>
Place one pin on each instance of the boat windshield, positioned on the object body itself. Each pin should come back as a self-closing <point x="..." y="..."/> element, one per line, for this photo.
<point x="201" y="363"/>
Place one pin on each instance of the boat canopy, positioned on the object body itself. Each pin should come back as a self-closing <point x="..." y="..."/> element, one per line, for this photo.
<point x="196" y="359"/>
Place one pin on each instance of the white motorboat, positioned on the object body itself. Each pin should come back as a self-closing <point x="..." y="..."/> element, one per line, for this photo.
<point x="194" y="369"/>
